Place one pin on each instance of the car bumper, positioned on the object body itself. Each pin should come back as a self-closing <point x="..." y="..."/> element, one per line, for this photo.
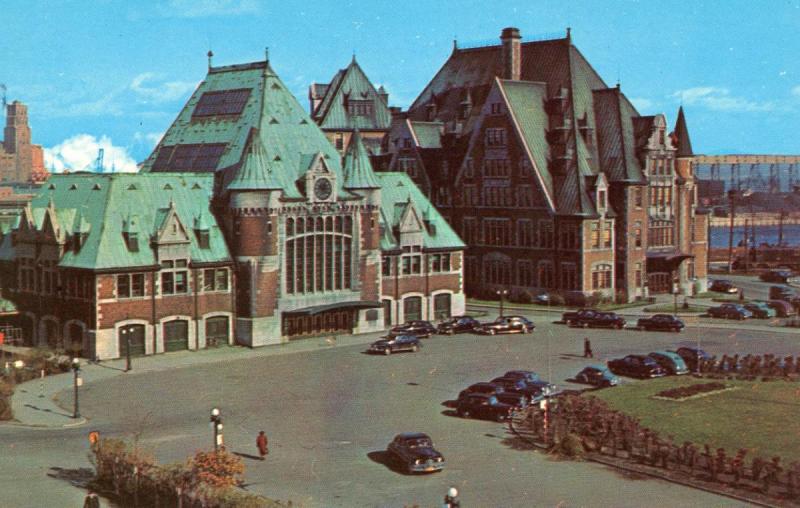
<point x="427" y="467"/>
<point x="380" y="350"/>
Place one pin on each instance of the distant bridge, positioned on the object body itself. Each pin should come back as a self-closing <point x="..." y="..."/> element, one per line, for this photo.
<point x="755" y="219"/>
<point x="769" y="173"/>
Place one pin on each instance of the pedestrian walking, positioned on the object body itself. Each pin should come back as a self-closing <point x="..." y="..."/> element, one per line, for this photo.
<point x="261" y="443"/>
<point x="91" y="501"/>
<point x="451" y="499"/>
<point x="587" y="348"/>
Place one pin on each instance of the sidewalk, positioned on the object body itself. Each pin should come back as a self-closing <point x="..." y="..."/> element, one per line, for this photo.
<point x="34" y="403"/>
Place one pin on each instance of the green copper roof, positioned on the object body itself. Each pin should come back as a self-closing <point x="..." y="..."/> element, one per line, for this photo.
<point x="358" y="172"/>
<point x="682" y="136"/>
<point x="108" y="205"/>
<point x="255" y="172"/>
<point x="398" y="192"/>
<point x="428" y="134"/>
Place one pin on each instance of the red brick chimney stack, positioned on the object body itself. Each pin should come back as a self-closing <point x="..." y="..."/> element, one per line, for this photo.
<point x="512" y="53"/>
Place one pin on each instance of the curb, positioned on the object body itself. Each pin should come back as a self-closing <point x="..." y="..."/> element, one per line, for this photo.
<point x="15" y="423"/>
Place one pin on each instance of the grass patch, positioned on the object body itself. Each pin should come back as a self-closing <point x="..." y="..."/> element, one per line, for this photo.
<point x="668" y="308"/>
<point x="706" y="294"/>
<point x="761" y="416"/>
<point x="535" y="306"/>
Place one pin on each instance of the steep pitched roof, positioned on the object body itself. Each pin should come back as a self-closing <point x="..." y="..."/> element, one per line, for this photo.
<point x="615" y="136"/>
<point x="398" y="192"/>
<point x="427" y="134"/>
<point x="348" y="84"/>
<point x="255" y="172"/>
<point x="681" y="136"/>
<point x="358" y="172"/>
<point x="107" y="205"/>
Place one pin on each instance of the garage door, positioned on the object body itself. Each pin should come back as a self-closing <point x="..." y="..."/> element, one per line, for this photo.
<point x="176" y="335"/>
<point x="132" y="335"/>
<point x="412" y="308"/>
<point x="217" y="331"/>
<point x="441" y="306"/>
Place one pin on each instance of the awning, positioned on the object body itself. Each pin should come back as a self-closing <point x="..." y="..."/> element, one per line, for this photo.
<point x="319" y="309"/>
<point x="665" y="261"/>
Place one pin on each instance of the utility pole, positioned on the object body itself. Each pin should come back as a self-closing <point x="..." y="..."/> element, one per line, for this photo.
<point x="746" y="246"/>
<point x="732" y="211"/>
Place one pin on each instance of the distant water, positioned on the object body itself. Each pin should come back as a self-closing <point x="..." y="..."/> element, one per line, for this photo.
<point x="764" y="234"/>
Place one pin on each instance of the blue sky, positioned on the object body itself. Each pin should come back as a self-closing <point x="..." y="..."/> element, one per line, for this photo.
<point x="115" y="74"/>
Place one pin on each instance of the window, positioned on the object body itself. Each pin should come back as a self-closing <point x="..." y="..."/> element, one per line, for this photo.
<point x="525" y="196"/>
<point x="601" y="277"/>
<point x="547" y="277"/>
<point x="339" y="141"/>
<point x="498" y="196"/>
<point x="471" y="195"/>
<point x="595" y="235"/>
<point x="569" y="277"/>
<point x="497" y="231"/>
<point x="601" y="200"/>
<point x="525" y="274"/>
<point x="215" y="279"/>
<point x="495" y="137"/>
<point x="496" y="108"/>
<point x="359" y="107"/>
<point x="386" y="266"/>
<point x="130" y="285"/>
<point x="469" y="168"/>
<point x="637" y="197"/>
<point x="411" y="260"/>
<point x="225" y="102"/>
<point x="637" y="276"/>
<point x="496" y="168"/>
<point x="525" y="233"/>
<point x="568" y="236"/>
<point x="637" y="234"/>
<point x="191" y="158"/>
<point x="440" y="263"/>
<point x="174" y="277"/>
<point x="545" y="234"/>
<point x="607" y="234"/>
<point x="497" y="271"/>
<point x="469" y="230"/>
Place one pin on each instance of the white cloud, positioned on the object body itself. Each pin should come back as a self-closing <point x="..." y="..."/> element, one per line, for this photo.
<point x="641" y="104"/>
<point x="79" y="153"/>
<point x="150" y="138"/>
<point x="720" y="99"/>
<point x="148" y="88"/>
<point x="202" y="8"/>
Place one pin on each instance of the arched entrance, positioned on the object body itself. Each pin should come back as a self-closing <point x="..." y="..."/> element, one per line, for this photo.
<point x="412" y="308"/>
<point x="51" y="333"/>
<point x="74" y="342"/>
<point x="176" y="335"/>
<point x="387" y="312"/>
<point x="441" y="306"/>
<point x="132" y="335"/>
<point x="217" y="331"/>
<point x="26" y="323"/>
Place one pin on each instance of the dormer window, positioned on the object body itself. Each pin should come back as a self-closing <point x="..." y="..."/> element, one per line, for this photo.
<point x="602" y="202"/>
<point x="132" y="241"/>
<point x="202" y="238"/>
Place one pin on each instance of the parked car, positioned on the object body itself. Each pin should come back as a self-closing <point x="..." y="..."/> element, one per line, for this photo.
<point x="389" y="345"/>
<point x="508" y="324"/>
<point x="597" y="375"/>
<point x="723" y="286"/>
<point x="481" y="388"/>
<point x="515" y="400"/>
<point x="532" y="378"/>
<point x="531" y="391"/>
<point x="415" y="452"/>
<point x="599" y="320"/>
<point x="422" y="329"/>
<point x="570" y="316"/>
<point x="782" y="308"/>
<point x="459" y="324"/>
<point x="672" y="362"/>
<point x="730" y="311"/>
<point x="781" y="276"/>
<point x="760" y="310"/>
<point x="542" y="299"/>
<point x="781" y="293"/>
<point x="690" y="356"/>
<point x="636" y="366"/>
<point x="483" y="406"/>
<point x="664" y="322"/>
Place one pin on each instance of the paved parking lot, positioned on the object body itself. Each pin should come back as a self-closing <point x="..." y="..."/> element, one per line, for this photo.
<point x="330" y="413"/>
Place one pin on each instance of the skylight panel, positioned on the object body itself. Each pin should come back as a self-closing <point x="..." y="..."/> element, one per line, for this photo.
<point x="221" y="103"/>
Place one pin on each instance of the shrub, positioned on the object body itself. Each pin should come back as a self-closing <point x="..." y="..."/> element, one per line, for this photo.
<point x="571" y="446"/>
<point x="687" y="391"/>
<point x="6" y="391"/>
<point x="218" y="468"/>
<point x="556" y="299"/>
<point x="523" y="297"/>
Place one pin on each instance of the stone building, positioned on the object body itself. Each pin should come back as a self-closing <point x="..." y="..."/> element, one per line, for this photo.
<point x="551" y="177"/>
<point x="351" y="102"/>
<point x="20" y="161"/>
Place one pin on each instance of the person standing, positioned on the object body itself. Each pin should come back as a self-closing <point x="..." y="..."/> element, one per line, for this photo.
<point x="91" y="501"/>
<point x="587" y="348"/>
<point x="261" y="443"/>
<point x="451" y="499"/>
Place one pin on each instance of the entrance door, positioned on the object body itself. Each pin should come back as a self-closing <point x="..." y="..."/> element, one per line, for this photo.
<point x="441" y="306"/>
<point x="133" y="335"/>
<point x="51" y="333"/>
<point x="176" y="335"/>
<point x="75" y="339"/>
<point x="412" y="308"/>
<point x="387" y="313"/>
<point x="217" y="331"/>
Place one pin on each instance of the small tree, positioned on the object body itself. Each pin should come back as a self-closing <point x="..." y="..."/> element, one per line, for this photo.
<point x="218" y="468"/>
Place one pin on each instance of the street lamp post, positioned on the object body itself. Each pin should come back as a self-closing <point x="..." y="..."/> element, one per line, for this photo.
<point x="501" y="293"/>
<point x="126" y="334"/>
<point x="732" y="211"/>
<point x="76" y="368"/>
<point x="675" y="285"/>
<point x="216" y="425"/>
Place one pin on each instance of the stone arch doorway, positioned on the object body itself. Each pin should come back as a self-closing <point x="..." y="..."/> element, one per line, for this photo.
<point x="50" y="333"/>
<point x="74" y="339"/>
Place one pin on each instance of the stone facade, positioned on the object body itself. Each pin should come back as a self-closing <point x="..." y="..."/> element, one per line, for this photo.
<point x="20" y="160"/>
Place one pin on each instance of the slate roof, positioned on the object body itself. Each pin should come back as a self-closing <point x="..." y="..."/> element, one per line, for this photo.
<point x="397" y="192"/>
<point x="256" y="171"/>
<point x="616" y="144"/>
<point x="289" y="136"/>
<point x="350" y="83"/>
<point x="681" y="136"/>
<point x="106" y="205"/>
<point x="358" y="172"/>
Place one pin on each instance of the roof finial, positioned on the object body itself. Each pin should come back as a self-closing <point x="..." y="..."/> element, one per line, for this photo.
<point x="569" y="33"/>
<point x="210" y="55"/>
<point x="455" y="42"/>
<point x="354" y="55"/>
<point x="266" y="53"/>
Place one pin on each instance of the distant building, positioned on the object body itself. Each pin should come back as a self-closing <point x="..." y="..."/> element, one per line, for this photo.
<point x="20" y="161"/>
<point x="351" y="102"/>
<point x="551" y="177"/>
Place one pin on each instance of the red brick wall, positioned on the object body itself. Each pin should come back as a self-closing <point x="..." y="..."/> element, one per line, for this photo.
<point x="253" y="238"/>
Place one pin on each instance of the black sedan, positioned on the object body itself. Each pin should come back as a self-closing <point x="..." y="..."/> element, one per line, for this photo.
<point x="576" y="315"/>
<point x="461" y="324"/>
<point x="508" y="324"/>
<point x="730" y="311"/>
<point x="389" y="345"/>
<point x="597" y="375"/>
<point x="776" y="276"/>
<point x="636" y="366"/>
<point x="515" y="400"/>
<point x="483" y="406"/>
<point x="661" y="322"/>
<point x="723" y="286"/>
<point x="531" y="391"/>
<point x="599" y="320"/>
<point x="422" y="329"/>
<point x="691" y="355"/>
<point x="415" y="452"/>
<point x="481" y="388"/>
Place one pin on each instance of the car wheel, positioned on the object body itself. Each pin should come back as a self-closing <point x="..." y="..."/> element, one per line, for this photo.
<point x="450" y="332"/>
<point x="585" y="325"/>
<point x="582" y="379"/>
<point x="619" y="326"/>
<point x="387" y="351"/>
<point x="414" y="348"/>
<point x="569" y="323"/>
<point x="464" y="413"/>
<point x="492" y="331"/>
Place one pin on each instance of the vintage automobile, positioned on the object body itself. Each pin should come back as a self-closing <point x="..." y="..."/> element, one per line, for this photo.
<point x="483" y="388"/>
<point x="690" y="355"/>
<point x="508" y="324"/>
<point x="414" y="451"/>
<point x="781" y="276"/>
<point x="597" y="375"/>
<point x="598" y="320"/>
<point x="661" y="322"/>
<point x="461" y="324"/>
<point x="729" y="311"/>
<point x="422" y="329"/>
<point x="480" y="405"/>
<point x="781" y="293"/>
<point x="723" y="286"/>
<point x="531" y="391"/>
<point x="782" y="308"/>
<point x="636" y="366"/>
<point x="527" y="375"/>
<point x="760" y="310"/>
<point x="672" y="362"/>
<point x="570" y="316"/>
<point x="389" y="345"/>
<point x="515" y="400"/>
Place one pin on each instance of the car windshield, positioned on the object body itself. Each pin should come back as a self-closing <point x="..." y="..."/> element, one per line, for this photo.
<point x="419" y="443"/>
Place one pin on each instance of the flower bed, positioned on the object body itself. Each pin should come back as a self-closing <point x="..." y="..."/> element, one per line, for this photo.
<point x="684" y="392"/>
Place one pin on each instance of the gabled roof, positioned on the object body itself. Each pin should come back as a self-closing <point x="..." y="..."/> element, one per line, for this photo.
<point x="616" y="142"/>
<point x="681" y="136"/>
<point x="351" y="83"/>
<point x="107" y="205"/>
<point x="358" y="172"/>
<point x="427" y="134"/>
<point x="398" y="192"/>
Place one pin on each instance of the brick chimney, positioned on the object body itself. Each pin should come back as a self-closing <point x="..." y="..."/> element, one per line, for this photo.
<point x="512" y="53"/>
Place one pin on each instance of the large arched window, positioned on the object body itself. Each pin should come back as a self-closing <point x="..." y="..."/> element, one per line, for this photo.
<point x="318" y="254"/>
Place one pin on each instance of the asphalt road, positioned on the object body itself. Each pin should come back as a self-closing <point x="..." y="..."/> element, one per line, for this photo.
<point x="329" y="415"/>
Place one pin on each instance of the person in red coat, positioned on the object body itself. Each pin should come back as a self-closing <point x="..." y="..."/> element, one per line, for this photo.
<point x="261" y="443"/>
